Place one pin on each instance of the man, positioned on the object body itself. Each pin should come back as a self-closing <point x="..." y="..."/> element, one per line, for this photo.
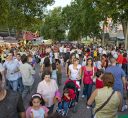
<point x="119" y="75"/>
<point x="20" y="84"/>
<point x="11" y="72"/>
<point x="11" y="104"/>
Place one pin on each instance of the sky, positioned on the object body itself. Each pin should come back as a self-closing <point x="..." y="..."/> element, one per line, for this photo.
<point x="61" y="3"/>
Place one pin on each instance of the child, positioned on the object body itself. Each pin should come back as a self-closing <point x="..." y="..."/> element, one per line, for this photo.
<point x="99" y="82"/>
<point x="36" y="109"/>
<point x="63" y="106"/>
<point x="54" y="72"/>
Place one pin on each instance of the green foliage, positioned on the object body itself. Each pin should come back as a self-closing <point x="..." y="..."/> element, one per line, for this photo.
<point x="53" y="26"/>
<point x="82" y="19"/>
<point x="22" y="14"/>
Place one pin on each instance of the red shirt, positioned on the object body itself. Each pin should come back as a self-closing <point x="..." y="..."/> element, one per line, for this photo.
<point x="120" y="59"/>
<point x="71" y="95"/>
<point x="99" y="83"/>
<point x="87" y="78"/>
<point x="124" y="60"/>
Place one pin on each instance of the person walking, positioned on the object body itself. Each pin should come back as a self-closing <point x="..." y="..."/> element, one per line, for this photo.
<point x="120" y="80"/>
<point x="100" y="96"/>
<point x="11" y="103"/>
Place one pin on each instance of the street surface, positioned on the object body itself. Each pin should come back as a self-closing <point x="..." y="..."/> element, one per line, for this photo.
<point x="82" y="111"/>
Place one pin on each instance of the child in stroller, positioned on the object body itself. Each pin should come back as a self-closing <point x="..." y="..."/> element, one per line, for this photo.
<point x="69" y="97"/>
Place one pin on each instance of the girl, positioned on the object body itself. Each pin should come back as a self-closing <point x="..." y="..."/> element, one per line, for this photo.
<point x="99" y="82"/>
<point x="36" y="109"/>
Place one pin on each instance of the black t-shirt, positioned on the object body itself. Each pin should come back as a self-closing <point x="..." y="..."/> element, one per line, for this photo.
<point x="11" y="105"/>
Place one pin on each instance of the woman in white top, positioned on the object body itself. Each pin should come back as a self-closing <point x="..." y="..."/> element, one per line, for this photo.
<point x="75" y="70"/>
<point x="48" y="89"/>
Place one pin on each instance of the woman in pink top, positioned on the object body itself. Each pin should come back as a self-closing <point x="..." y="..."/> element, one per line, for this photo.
<point x="88" y="73"/>
<point x="48" y="89"/>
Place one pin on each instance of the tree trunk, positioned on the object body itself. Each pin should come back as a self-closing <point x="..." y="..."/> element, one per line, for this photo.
<point x="103" y="35"/>
<point x="126" y="37"/>
<point x="125" y="32"/>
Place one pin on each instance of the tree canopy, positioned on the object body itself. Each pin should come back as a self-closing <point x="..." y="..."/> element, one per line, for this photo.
<point x="21" y="14"/>
<point x="53" y="26"/>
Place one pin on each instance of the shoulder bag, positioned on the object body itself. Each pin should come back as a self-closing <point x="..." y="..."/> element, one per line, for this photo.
<point x="103" y="105"/>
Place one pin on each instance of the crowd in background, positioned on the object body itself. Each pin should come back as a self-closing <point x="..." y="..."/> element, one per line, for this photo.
<point x="97" y="71"/>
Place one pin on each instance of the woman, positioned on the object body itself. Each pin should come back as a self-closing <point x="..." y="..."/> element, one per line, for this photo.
<point x="88" y="73"/>
<point x="48" y="88"/>
<point x="104" y="61"/>
<point x="101" y="95"/>
<point x="68" y="62"/>
<point x="46" y="64"/>
<point x="74" y="72"/>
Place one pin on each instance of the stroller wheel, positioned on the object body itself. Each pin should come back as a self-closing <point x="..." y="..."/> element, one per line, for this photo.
<point x="59" y="111"/>
<point x="64" y="113"/>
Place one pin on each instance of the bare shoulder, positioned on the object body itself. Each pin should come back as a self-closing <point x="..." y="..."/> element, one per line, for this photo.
<point x="118" y="93"/>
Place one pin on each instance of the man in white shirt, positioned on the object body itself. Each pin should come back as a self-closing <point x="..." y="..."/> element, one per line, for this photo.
<point x="11" y="68"/>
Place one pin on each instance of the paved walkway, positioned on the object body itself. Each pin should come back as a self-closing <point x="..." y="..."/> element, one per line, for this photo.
<point x="82" y="111"/>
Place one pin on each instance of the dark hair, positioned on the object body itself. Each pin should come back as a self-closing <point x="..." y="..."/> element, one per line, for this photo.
<point x="58" y="61"/>
<point x="125" y="55"/>
<point x="18" y="54"/>
<point x="88" y="60"/>
<point x="108" y="79"/>
<point x="0" y="60"/>
<point x="99" y="72"/>
<point x="104" y="55"/>
<point x="46" y="73"/>
<point x="66" y="90"/>
<point x="39" y="96"/>
<point x="1" y="78"/>
<point x="53" y="66"/>
<point x="47" y="62"/>
<point x="24" y="58"/>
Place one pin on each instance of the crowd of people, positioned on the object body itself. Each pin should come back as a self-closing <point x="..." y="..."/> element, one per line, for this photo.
<point x="100" y="74"/>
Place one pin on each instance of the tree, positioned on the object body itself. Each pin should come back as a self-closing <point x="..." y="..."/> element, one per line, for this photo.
<point x="117" y="10"/>
<point x="53" y="26"/>
<point x="22" y="14"/>
<point x="82" y="19"/>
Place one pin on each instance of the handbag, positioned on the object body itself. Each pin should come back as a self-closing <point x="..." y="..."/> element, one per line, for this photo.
<point x="103" y="105"/>
<point x="93" y="76"/>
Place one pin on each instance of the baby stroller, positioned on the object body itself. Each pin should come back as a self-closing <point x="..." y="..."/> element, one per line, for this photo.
<point x="69" y="97"/>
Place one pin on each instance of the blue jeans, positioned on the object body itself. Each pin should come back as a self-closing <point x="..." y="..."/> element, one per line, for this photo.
<point x="121" y="90"/>
<point x="26" y="91"/>
<point x="87" y="90"/>
<point x="13" y="85"/>
<point x="51" y="109"/>
<point x="63" y="105"/>
<point x="20" y="85"/>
